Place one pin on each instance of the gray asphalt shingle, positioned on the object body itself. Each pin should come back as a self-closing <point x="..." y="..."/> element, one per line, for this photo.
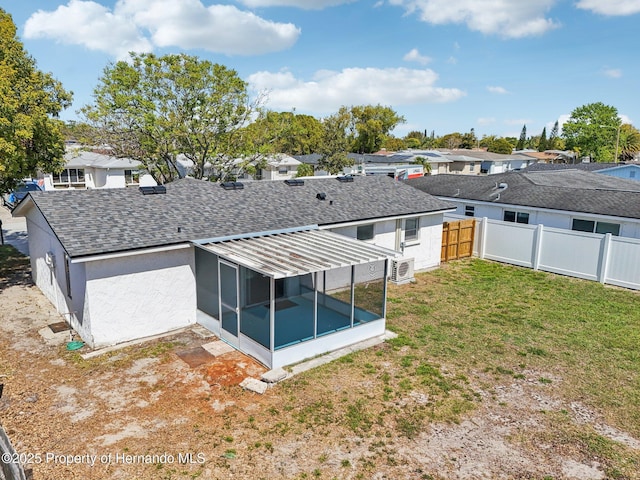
<point x="89" y="222"/>
<point x="571" y="190"/>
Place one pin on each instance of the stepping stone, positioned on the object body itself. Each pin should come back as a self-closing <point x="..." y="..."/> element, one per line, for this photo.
<point x="254" y="385"/>
<point x="218" y="348"/>
<point x="274" y="376"/>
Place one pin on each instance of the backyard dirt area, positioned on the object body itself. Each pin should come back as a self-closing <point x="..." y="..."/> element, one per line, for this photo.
<point x="161" y="410"/>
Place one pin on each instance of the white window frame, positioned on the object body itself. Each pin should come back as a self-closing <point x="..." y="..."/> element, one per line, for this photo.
<point x="56" y="178"/>
<point x="595" y="225"/>
<point x="469" y="210"/>
<point x="413" y="239"/>
<point x="516" y="213"/>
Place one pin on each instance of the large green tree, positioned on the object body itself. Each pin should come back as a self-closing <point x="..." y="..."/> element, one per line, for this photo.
<point x="370" y="126"/>
<point x="335" y="142"/>
<point x="285" y="132"/>
<point x="500" y="145"/>
<point x="30" y="102"/>
<point x="152" y="109"/>
<point x="592" y="130"/>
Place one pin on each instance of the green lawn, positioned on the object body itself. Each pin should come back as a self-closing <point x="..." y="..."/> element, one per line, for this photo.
<point x="474" y="325"/>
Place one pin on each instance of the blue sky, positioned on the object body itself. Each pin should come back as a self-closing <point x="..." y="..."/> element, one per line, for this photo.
<point x="445" y="65"/>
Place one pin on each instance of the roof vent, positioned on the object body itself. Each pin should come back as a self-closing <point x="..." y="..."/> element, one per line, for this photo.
<point x="345" y="178"/>
<point x="153" y="190"/>
<point x="294" y="182"/>
<point x="321" y="196"/>
<point x="232" y="185"/>
<point x="502" y="185"/>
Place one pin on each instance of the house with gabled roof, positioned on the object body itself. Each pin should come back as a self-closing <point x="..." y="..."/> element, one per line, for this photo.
<point x="570" y="198"/>
<point x="281" y="270"/>
<point x="630" y="171"/>
<point x="87" y="168"/>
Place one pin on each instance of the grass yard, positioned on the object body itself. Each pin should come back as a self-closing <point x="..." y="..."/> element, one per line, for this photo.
<point x="497" y="372"/>
<point x="473" y="326"/>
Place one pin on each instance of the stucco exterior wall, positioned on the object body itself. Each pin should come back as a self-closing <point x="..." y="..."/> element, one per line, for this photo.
<point x="548" y="218"/>
<point x="389" y="234"/>
<point x="138" y="296"/>
<point x="47" y="258"/>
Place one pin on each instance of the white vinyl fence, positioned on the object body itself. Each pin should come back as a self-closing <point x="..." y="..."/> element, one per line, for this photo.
<point x="602" y="258"/>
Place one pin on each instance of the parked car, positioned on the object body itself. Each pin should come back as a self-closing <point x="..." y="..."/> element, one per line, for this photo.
<point x="20" y="192"/>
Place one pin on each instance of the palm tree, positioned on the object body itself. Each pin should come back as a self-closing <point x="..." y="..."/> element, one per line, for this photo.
<point x="629" y="142"/>
<point x="425" y="164"/>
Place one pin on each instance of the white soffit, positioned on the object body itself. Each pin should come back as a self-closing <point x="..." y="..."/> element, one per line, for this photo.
<point x="291" y="254"/>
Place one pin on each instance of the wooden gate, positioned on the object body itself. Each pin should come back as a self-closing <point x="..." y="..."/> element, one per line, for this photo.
<point x="457" y="239"/>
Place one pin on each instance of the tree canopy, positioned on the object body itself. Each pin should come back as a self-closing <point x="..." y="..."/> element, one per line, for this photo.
<point x="30" y="101"/>
<point x="335" y="142"/>
<point x="285" y="132"/>
<point x="152" y="109"/>
<point x="592" y="130"/>
<point x="370" y="125"/>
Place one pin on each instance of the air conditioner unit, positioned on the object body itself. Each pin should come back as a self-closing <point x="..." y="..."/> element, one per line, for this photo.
<point x="401" y="270"/>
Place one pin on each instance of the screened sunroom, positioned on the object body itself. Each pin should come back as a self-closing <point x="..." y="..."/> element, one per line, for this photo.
<point x="288" y="296"/>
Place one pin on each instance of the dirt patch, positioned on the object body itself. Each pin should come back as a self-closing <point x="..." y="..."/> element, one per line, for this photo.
<point x="145" y="413"/>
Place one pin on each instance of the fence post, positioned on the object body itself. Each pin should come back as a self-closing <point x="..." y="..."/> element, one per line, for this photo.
<point x="604" y="258"/>
<point x="537" y="246"/>
<point x="483" y="237"/>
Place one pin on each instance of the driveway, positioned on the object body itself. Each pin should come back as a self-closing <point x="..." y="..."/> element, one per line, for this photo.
<point x="14" y="230"/>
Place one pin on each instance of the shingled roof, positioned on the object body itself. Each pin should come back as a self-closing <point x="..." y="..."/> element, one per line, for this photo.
<point x="571" y="190"/>
<point x="90" y="222"/>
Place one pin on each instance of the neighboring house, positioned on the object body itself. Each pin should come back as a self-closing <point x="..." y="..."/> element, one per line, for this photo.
<point x="441" y="161"/>
<point x="282" y="270"/>
<point x="569" y="199"/>
<point x="88" y="169"/>
<point x="276" y="167"/>
<point x="630" y="171"/>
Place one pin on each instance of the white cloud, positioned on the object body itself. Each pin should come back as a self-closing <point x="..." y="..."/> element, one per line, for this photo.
<point x="612" y="73"/>
<point x="483" y="121"/>
<point x="415" y="56"/>
<point x="508" y="18"/>
<point x="498" y="90"/>
<point x="610" y="7"/>
<point x="303" y="4"/>
<point x="329" y="90"/>
<point x="452" y="60"/>
<point x="89" y="24"/>
<point x="140" y="25"/>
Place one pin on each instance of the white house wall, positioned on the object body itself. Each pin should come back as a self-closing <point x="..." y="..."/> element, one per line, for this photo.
<point x="546" y="217"/>
<point x="141" y="295"/>
<point x="50" y="277"/>
<point x="388" y="234"/>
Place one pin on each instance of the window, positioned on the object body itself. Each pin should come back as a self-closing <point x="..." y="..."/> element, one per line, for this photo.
<point x="592" y="226"/>
<point x="283" y="171"/>
<point x="469" y="210"/>
<point x="365" y="232"/>
<point x="131" y="177"/>
<point x="411" y="229"/>
<point x="517" y="217"/>
<point x="69" y="176"/>
<point x="472" y="167"/>
<point x="632" y="174"/>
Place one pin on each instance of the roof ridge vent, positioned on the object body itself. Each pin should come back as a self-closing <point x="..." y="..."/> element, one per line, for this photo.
<point x="293" y="182"/>
<point x="153" y="190"/>
<point x="232" y="185"/>
<point x="345" y="178"/>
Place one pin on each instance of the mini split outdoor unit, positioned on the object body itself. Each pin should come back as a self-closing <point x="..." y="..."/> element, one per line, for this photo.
<point x="401" y="270"/>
